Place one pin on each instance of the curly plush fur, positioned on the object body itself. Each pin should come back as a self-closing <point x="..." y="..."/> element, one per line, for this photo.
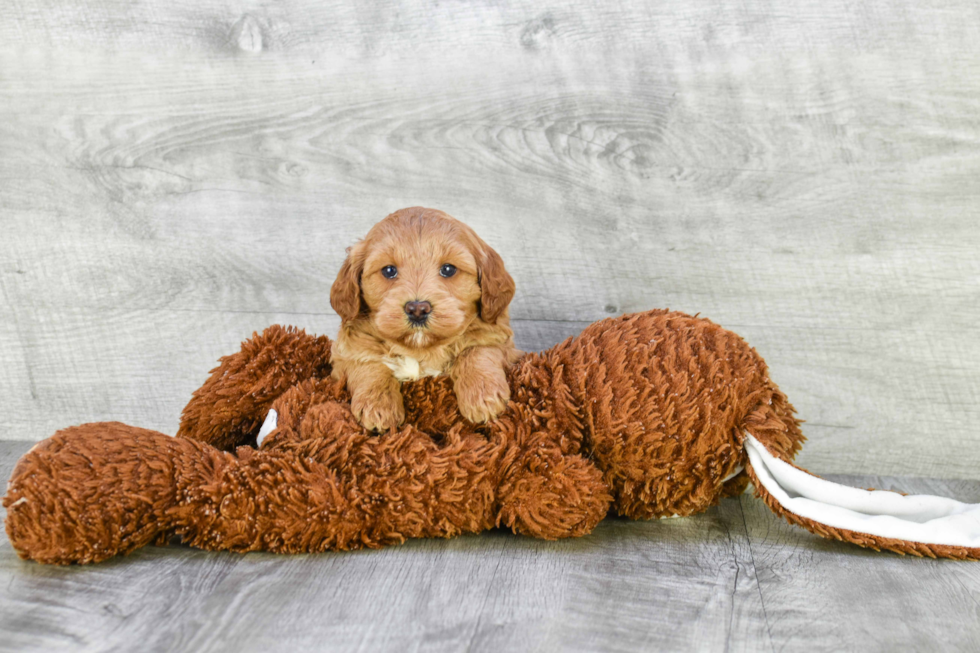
<point x="644" y="415"/>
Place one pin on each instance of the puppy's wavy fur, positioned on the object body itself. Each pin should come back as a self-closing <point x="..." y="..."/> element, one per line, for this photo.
<point x="467" y="334"/>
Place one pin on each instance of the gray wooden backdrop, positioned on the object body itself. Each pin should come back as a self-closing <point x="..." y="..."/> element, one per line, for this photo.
<point x="175" y="175"/>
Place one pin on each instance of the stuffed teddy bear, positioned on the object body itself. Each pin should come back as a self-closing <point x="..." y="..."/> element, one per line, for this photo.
<point x="654" y="414"/>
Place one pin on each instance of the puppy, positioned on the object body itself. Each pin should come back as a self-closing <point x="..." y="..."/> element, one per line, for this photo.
<point x="422" y="295"/>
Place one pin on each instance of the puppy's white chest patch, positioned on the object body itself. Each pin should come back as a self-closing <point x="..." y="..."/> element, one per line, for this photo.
<point x="406" y="368"/>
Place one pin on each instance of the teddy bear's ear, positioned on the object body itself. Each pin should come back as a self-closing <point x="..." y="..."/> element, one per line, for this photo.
<point x="345" y="294"/>
<point x="496" y="285"/>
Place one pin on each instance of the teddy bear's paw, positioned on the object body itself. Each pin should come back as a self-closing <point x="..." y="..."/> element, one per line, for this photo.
<point x="482" y="397"/>
<point x="554" y="497"/>
<point x="93" y="491"/>
<point x="331" y="419"/>
<point x="379" y="412"/>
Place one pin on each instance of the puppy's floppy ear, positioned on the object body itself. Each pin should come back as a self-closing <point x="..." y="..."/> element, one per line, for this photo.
<point x="345" y="294"/>
<point x="496" y="285"/>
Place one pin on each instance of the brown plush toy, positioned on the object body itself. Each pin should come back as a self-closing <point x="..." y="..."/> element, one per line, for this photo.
<point x="649" y="415"/>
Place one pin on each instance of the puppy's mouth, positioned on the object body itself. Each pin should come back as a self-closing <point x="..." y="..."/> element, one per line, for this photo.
<point x="418" y="339"/>
<point x="419" y="334"/>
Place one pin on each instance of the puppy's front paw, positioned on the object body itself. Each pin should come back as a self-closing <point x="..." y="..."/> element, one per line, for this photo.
<point x="380" y="411"/>
<point x="482" y="397"/>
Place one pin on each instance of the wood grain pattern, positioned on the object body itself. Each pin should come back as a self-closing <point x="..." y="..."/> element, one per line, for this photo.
<point x="735" y="578"/>
<point x="175" y="177"/>
<point x="827" y="596"/>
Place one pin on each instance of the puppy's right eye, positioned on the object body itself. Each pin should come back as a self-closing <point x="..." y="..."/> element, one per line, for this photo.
<point x="389" y="272"/>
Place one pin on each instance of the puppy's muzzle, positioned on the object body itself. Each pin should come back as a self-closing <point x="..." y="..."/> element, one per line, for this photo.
<point x="418" y="312"/>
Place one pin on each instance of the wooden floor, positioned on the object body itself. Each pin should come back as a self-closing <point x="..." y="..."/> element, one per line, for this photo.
<point x="733" y="579"/>
<point x="176" y="175"/>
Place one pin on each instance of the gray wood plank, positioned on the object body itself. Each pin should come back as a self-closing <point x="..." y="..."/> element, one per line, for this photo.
<point x="805" y="177"/>
<point x="666" y="585"/>
<point x="828" y="596"/>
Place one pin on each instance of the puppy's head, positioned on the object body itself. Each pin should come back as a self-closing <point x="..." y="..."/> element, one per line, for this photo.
<point x="421" y="277"/>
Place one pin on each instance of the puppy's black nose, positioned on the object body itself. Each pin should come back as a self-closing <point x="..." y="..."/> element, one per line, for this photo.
<point x="418" y="312"/>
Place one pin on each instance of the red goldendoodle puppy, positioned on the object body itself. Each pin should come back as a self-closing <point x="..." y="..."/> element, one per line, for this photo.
<point x="422" y="295"/>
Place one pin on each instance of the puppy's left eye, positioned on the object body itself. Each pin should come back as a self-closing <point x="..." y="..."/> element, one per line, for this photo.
<point x="389" y="272"/>
<point x="447" y="270"/>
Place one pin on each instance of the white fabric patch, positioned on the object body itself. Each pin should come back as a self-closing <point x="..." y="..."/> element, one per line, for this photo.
<point x="268" y="426"/>
<point x="918" y="518"/>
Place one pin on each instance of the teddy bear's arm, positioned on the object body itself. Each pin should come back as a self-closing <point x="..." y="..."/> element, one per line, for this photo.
<point x="229" y="408"/>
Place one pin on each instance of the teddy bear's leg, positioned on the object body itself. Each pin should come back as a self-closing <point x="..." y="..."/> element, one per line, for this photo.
<point x="552" y="495"/>
<point x="229" y="408"/>
<point x="266" y="501"/>
<point x="94" y="491"/>
<point x="339" y="493"/>
<point x="99" y="490"/>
